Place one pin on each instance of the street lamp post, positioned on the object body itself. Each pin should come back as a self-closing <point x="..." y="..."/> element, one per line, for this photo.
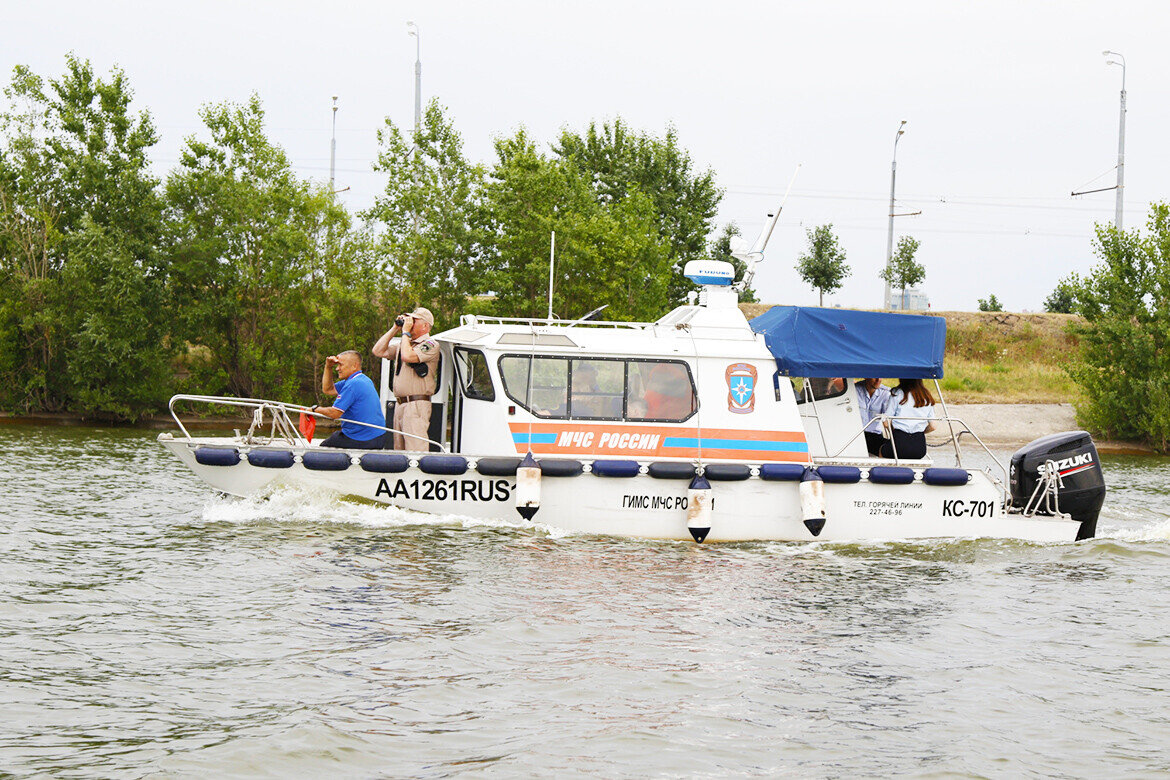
<point x="412" y="30"/>
<point x="890" y="236"/>
<point x="1120" y="141"/>
<point x="333" y="147"/>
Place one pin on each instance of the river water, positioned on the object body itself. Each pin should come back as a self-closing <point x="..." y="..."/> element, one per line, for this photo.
<point x="148" y="628"/>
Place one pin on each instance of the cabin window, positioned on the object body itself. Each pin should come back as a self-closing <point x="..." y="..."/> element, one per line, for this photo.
<point x="659" y="391"/>
<point x="597" y="389"/>
<point x="818" y="388"/>
<point x="601" y="388"/>
<point x="474" y="378"/>
<point x="549" y="396"/>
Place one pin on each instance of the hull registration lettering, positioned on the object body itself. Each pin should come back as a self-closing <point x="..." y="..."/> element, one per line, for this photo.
<point x="960" y="508"/>
<point x="445" y="489"/>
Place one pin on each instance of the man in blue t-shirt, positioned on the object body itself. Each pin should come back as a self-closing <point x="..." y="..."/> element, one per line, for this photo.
<point x="357" y="401"/>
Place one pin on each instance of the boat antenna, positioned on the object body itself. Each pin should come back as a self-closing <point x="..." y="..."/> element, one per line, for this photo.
<point x="552" y="256"/>
<point x="589" y="316"/>
<point x="756" y="253"/>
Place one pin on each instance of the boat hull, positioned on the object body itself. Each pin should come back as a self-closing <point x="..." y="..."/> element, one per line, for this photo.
<point x="641" y="506"/>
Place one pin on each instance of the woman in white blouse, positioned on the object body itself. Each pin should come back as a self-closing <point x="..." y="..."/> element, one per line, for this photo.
<point x="912" y="408"/>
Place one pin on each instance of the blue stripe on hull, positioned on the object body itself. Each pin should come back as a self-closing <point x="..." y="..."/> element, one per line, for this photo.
<point x="736" y="444"/>
<point x="537" y="438"/>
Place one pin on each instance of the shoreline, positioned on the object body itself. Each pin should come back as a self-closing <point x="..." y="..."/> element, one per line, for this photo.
<point x="1014" y="425"/>
<point x="151" y="422"/>
<point x="998" y="425"/>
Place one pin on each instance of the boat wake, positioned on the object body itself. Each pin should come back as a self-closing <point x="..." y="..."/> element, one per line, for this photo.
<point x="290" y="504"/>
<point x="1155" y="532"/>
<point x="299" y="505"/>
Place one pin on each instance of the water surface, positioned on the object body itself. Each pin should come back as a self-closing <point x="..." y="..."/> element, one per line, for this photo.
<point x="150" y="628"/>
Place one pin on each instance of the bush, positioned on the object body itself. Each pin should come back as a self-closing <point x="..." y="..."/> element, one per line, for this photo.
<point x="990" y="304"/>
<point x="1124" y="362"/>
<point x="1061" y="301"/>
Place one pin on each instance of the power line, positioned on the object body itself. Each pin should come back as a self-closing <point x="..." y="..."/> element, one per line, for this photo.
<point x="1021" y="232"/>
<point x="932" y="200"/>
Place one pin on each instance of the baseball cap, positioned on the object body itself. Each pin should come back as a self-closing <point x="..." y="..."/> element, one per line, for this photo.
<point x="424" y="314"/>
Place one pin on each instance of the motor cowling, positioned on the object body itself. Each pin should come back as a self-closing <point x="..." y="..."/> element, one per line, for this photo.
<point x="1082" y="483"/>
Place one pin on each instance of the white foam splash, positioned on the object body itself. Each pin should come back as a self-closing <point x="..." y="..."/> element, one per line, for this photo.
<point x="1156" y="532"/>
<point x="294" y="504"/>
<point x="553" y="532"/>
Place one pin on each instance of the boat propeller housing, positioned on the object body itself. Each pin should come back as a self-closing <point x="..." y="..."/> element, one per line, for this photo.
<point x="1080" y="481"/>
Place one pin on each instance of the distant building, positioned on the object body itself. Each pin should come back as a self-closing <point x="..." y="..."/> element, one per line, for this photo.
<point x="916" y="300"/>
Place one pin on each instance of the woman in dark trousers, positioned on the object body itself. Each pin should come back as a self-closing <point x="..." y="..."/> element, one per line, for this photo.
<point x="912" y="408"/>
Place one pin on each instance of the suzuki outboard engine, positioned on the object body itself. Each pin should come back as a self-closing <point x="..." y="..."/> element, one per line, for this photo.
<point x="1080" y="481"/>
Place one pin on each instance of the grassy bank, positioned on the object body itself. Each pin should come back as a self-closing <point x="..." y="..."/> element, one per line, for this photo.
<point x="1001" y="357"/>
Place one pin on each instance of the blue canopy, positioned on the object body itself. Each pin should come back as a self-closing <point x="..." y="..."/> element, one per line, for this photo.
<point x="842" y="342"/>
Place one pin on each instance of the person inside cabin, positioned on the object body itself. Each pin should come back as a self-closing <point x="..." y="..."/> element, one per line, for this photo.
<point x="668" y="393"/>
<point x="586" y="401"/>
<point x="825" y="387"/>
<point x="357" y="402"/>
<point x="872" y="399"/>
<point x="636" y="390"/>
<point x="911" y="407"/>
<point x="413" y="357"/>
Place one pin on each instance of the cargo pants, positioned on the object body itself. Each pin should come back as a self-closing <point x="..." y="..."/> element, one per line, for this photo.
<point x="414" y="419"/>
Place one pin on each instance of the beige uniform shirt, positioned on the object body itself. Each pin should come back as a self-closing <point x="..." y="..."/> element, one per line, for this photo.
<point x="405" y="381"/>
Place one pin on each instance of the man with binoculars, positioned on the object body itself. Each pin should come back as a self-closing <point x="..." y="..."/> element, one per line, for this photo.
<point x="413" y="380"/>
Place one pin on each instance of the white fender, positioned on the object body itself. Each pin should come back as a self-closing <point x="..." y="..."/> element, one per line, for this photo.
<point x="528" y="487"/>
<point x="699" y="508"/>
<point x="812" y="501"/>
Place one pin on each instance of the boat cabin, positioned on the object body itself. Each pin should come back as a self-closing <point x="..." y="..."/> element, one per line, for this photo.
<point x="701" y="383"/>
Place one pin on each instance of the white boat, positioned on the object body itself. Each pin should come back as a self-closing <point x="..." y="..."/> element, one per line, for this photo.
<point x="686" y="428"/>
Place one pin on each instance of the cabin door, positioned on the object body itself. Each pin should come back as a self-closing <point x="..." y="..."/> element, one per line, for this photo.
<point x="829" y="410"/>
<point x="475" y="396"/>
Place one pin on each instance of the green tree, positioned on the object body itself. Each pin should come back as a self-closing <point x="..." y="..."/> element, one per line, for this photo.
<point x="823" y="265"/>
<point x="117" y="364"/>
<point x="258" y="256"/>
<point x="616" y="161"/>
<point x="80" y="219"/>
<point x="1124" y="360"/>
<point x="607" y="254"/>
<point x="429" y="217"/>
<point x="904" y="271"/>
<point x="990" y="303"/>
<point x="1061" y="300"/>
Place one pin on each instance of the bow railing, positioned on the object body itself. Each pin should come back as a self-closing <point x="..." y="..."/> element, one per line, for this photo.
<point x="280" y="426"/>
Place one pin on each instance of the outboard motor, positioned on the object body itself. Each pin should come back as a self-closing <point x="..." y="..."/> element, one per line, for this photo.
<point x="1081" y="482"/>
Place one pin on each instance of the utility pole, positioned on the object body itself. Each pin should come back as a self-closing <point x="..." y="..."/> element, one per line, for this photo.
<point x="1120" y="142"/>
<point x="890" y="236"/>
<point x="333" y="148"/>
<point x="412" y="29"/>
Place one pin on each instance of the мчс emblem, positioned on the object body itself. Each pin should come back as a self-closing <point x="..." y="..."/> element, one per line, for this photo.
<point x="741" y="388"/>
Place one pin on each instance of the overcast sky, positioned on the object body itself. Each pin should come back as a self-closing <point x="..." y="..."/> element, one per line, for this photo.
<point x="1010" y="106"/>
